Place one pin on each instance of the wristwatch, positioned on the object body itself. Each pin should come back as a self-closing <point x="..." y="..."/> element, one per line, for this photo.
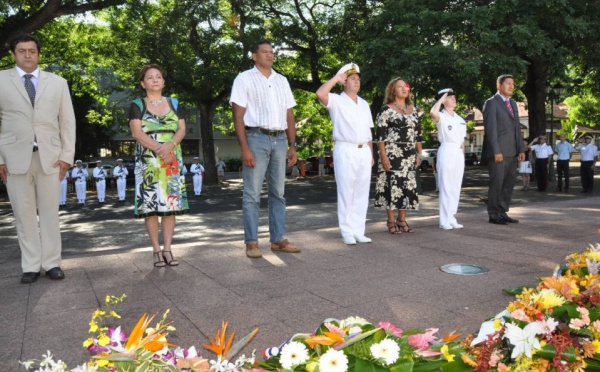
<point x="293" y="144"/>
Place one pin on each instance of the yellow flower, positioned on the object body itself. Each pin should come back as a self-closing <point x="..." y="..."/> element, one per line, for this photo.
<point x="511" y="307"/>
<point x="593" y="255"/>
<point x="93" y="327"/>
<point x="596" y="346"/>
<point x="444" y="350"/>
<point x="88" y="342"/>
<point x="103" y="340"/>
<point x="496" y="324"/>
<point x="548" y="298"/>
<point x="467" y="359"/>
<point x="114" y="314"/>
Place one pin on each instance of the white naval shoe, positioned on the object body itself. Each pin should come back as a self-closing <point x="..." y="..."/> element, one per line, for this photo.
<point x="456" y="225"/>
<point x="349" y="240"/>
<point x="362" y="239"/>
<point x="446" y="227"/>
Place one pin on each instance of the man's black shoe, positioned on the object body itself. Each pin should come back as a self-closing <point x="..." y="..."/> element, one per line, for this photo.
<point x="29" y="278"/>
<point x="510" y="220"/>
<point x="55" y="273"/>
<point x="498" y="221"/>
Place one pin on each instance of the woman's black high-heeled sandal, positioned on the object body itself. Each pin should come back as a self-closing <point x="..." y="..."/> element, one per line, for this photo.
<point x="159" y="262"/>
<point x="393" y="228"/>
<point x="403" y="225"/>
<point x="173" y="261"/>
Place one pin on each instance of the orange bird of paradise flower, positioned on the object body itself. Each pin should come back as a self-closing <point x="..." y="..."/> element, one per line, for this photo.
<point x="221" y="346"/>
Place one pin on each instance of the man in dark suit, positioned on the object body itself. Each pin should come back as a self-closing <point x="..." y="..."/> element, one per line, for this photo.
<point x="37" y="145"/>
<point x="504" y="148"/>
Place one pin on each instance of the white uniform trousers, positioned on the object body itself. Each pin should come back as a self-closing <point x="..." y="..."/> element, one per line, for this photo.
<point x="101" y="189"/>
<point x="62" y="200"/>
<point x="34" y="196"/>
<point x="121" y="187"/>
<point x="197" y="184"/>
<point x="80" y="188"/>
<point x="353" y="180"/>
<point x="450" y="168"/>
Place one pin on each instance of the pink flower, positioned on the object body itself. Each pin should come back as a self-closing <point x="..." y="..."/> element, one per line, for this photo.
<point x="519" y="314"/>
<point x="421" y="341"/>
<point x="596" y="325"/>
<point x="332" y="328"/>
<point x="391" y="329"/>
<point x="576" y="323"/>
<point x="494" y="359"/>
<point x="503" y="368"/>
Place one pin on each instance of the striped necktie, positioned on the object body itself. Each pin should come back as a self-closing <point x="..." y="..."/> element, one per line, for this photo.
<point x="509" y="106"/>
<point x="30" y="88"/>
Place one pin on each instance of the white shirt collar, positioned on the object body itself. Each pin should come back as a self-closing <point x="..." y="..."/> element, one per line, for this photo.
<point x="272" y="75"/>
<point x="503" y="98"/>
<point x="35" y="73"/>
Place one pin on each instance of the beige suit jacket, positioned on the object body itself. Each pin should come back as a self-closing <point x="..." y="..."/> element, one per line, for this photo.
<point x="51" y="122"/>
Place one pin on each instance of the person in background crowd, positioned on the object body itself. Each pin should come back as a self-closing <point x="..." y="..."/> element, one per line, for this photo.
<point x="564" y="151"/>
<point x="99" y="175"/>
<point x="79" y="174"/>
<point x="197" y="170"/>
<point x="62" y="201"/>
<point x="525" y="167"/>
<point x="589" y="155"/>
<point x="399" y="135"/>
<point x="120" y="173"/>
<point x="543" y="152"/>
<point x="220" y="170"/>
<point x="504" y="148"/>
<point x="353" y="151"/>
<point x="37" y="146"/>
<point x="157" y="124"/>
<point x="262" y="102"/>
<point x="450" y="158"/>
<point x="322" y="165"/>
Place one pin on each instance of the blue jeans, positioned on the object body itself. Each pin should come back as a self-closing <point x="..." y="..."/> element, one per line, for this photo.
<point x="270" y="155"/>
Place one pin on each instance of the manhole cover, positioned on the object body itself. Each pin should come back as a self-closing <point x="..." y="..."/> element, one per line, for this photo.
<point x="464" y="269"/>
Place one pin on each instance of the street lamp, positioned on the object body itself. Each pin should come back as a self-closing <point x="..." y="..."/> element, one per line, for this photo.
<point x="554" y="92"/>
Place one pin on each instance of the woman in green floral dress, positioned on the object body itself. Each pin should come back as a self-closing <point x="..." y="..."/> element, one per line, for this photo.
<point x="158" y="126"/>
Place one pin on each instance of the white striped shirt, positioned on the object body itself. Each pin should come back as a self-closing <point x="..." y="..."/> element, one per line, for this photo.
<point x="266" y="99"/>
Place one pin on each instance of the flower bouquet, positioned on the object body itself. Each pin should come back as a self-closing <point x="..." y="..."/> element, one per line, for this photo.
<point x="353" y="344"/>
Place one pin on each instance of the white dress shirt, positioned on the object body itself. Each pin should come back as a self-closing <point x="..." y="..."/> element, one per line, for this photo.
<point x="451" y="128"/>
<point x="589" y="152"/>
<point x="542" y="151"/>
<point x="352" y="121"/>
<point x="266" y="99"/>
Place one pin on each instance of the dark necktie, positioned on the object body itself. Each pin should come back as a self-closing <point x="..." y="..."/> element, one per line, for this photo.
<point x="29" y="88"/>
<point x="509" y="106"/>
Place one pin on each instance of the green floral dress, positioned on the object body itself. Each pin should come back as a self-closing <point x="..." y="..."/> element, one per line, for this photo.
<point x="159" y="187"/>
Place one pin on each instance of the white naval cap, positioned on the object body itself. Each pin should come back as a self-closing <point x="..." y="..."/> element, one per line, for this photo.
<point x="349" y="69"/>
<point x="588" y="137"/>
<point x="195" y="158"/>
<point x="444" y="91"/>
<point x="77" y="161"/>
<point x="118" y="160"/>
<point x="98" y="161"/>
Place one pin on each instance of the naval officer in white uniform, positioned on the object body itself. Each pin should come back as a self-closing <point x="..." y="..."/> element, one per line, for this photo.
<point x="62" y="200"/>
<point x="120" y="173"/>
<point x="79" y="174"/>
<point x="99" y="175"/>
<point x="353" y="151"/>
<point x="196" y="169"/>
<point x="450" y="161"/>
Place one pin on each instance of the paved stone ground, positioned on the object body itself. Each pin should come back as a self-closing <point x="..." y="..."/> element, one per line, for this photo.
<point x="395" y="278"/>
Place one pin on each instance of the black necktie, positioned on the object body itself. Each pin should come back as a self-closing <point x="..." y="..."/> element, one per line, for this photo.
<point x="29" y="88"/>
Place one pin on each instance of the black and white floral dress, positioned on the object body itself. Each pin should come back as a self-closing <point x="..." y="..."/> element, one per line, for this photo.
<point x="397" y="189"/>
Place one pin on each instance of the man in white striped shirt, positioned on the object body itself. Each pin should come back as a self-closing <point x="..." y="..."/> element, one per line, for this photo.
<point x="262" y="103"/>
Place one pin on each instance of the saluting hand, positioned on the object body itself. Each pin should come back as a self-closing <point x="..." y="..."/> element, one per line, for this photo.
<point x="3" y="173"/>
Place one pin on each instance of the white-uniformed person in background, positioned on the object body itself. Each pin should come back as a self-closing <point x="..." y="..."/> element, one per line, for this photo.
<point x="120" y="174"/>
<point x="79" y="175"/>
<point x="589" y="154"/>
<point x="196" y="169"/>
<point x="543" y="152"/>
<point x="353" y="151"/>
<point x="450" y="158"/>
<point x="99" y="175"/>
<point x="62" y="199"/>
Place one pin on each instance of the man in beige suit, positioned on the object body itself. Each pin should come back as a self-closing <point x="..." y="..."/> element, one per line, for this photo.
<point x="37" y="146"/>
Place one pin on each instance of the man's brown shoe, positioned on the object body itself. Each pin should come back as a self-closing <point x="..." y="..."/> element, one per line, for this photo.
<point x="284" y="246"/>
<point x="252" y="250"/>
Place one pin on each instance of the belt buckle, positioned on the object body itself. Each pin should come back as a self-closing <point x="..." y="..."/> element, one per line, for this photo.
<point x="360" y="146"/>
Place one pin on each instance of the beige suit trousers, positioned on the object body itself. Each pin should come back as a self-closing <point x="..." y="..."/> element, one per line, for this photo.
<point x="37" y="227"/>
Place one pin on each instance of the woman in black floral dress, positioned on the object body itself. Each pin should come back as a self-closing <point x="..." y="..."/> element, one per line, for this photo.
<point x="399" y="136"/>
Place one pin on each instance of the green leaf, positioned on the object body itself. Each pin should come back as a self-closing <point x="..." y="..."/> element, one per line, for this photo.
<point x="517" y="290"/>
<point x="368" y="366"/>
<point x="357" y="338"/>
<point x="144" y="367"/>
<point x="235" y="348"/>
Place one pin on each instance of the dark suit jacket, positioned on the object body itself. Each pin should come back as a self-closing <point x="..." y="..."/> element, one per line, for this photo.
<point x="502" y="130"/>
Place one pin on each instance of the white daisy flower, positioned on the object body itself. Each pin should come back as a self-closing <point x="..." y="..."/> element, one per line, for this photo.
<point x="293" y="354"/>
<point x="333" y="361"/>
<point x="387" y="351"/>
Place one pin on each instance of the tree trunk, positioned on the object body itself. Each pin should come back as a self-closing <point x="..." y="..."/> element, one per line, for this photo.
<point x="207" y="113"/>
<point x="535" y="91"/>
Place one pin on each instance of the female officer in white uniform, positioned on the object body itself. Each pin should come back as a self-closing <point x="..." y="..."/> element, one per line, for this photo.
<point x="452" y="130"/>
